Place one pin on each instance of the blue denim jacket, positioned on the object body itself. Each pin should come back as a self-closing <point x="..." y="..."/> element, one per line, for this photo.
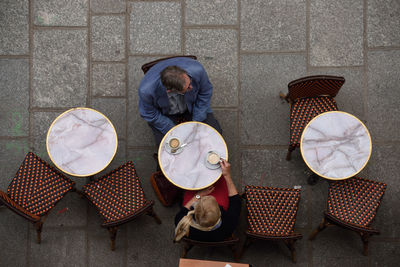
<point x="153" y="98"/>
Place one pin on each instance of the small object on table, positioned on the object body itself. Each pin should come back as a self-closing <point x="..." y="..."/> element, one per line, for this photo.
<point x="81" y="142"/>
<point x="335" y="145"/>
<point x="187" y="167"/>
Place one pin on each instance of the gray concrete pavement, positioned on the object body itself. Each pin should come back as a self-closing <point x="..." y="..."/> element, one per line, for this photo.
<point x="55" y="55"/>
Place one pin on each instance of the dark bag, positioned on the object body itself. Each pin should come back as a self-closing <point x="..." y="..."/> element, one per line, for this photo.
<point x="166" y="192"/>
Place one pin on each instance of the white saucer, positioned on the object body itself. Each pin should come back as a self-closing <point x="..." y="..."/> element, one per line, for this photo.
<point x="208" y="164"/>
<point x="168" y="148"/>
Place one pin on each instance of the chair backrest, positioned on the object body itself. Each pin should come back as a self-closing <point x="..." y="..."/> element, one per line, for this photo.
<point x="147" y="66"/>
<point x="355" y="200"/>
<point x="312" y="86"/>
<point x="272" y="211"/>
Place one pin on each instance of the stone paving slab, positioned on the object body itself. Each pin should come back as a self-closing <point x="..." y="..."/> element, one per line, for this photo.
<point x="70" y="211"/>
<point x="108" y="42"/>
<point x="265" y="120"/>
<point x="41" y="122"/>
<point x="265" y="27"/>
<point x="383" y="94"/>
<point x="383" y="167"/>
<point x="208" y="12"/>
<point x="109" y="79"/>
<point x="59" y="247"/>
<point x="106" y="6"/>
<point x="99" y="252"/>
<point x="13" y="230"/>
<point x="14" y="85"/>
<point x="60" y="68"/>
<point x="139" y="133"/>
<point x="115" y="110"/>
<point x="150" y="243"/>
<point x="385" y="254"/>
<point x="13" y="153"/>
<point x="60" y="13"/>
<point x="217" y="51"/>
<point x="329" y="44"/>
<point x="228" y="119"/>
<point x="155" y="28"/>
<point x="383" y="23"/>
<point x="352" y="95"/>
<point x="14" y="30"/>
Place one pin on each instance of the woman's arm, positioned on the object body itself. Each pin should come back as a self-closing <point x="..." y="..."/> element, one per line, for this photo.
<point x="201" y="193"/>
<point x="226" y="172"/>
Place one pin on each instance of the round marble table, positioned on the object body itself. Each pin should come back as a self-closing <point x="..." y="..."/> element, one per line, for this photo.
<point x="187" y="169"/>
<point x="81" y="142"/>
<point x="336" y="145"/>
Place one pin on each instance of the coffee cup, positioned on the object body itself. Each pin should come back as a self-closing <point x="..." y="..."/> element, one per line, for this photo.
<point x="174" y="143"/>
<point x="213" y="158"/>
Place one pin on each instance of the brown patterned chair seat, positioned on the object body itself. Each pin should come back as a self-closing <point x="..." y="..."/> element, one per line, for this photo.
<point x="353" y="204"/>
<point x="119" y="198"/>
<point x="272" y="214"/>
<point x="35" y="190"/>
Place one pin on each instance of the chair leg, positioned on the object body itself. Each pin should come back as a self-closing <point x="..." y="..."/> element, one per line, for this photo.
<point x="38" y="226"/>
<point x="365" y="240"/>
<point x="113" y="235"/>
<point x="235" y="253"/>
<point x="151" y="213"/>
<point x="185" y="249"/>
<point x="321" y="227"/>
<point x="289" y="153"/>
<point x="246" y="244"/>
<point x="290" y="245"/>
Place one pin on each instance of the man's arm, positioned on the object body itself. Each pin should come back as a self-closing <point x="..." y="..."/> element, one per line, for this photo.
<point x="152" y="115"/>
<point x="203" y="100"/>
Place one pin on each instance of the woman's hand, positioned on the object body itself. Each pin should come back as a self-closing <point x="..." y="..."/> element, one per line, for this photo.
<point x="225" y="167"/>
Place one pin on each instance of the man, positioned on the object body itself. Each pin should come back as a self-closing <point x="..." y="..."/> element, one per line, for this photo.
<point x="173" y="90"/>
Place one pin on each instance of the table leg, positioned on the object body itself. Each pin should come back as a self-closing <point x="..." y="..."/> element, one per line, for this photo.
<point x="312" y="179"/>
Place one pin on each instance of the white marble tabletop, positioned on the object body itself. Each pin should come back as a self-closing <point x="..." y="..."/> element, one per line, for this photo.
<point x="336" y="145"/>
<point x="188" y="169"/>
<point x="81" y="142"/>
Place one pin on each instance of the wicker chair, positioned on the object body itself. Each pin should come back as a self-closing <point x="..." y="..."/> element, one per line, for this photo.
<point x="353" y="204"/>
<point x="308" y="97"/>
<point x="272" y="215"/>
<point x="35" y="190"/>
<point x="230" y="242"/>
<point x="119" y="198"/>
<point x="147" y="66"/>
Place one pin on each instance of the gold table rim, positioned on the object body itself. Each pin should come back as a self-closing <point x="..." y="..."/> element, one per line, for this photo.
<point x="162" y="142"/>
<point x="73" y="174"/>
<point x="331" y="178"/>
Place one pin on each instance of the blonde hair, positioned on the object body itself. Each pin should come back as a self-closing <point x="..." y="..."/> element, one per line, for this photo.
<point x="206" y="213"/>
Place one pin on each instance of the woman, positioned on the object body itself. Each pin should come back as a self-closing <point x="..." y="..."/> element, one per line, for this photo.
<point x="202" y="219"/>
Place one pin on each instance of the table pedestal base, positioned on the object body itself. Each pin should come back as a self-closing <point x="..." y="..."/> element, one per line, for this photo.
<point x="312" y="179"/>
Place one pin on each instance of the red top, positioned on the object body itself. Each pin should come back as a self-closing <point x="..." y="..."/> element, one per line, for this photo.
<point x="220" y="193"/>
